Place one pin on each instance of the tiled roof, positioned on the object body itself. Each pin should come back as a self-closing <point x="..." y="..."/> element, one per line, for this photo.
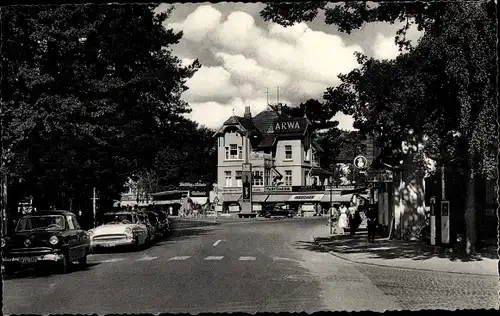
<point x="267" y="141"/>
<point x="264" y="121"/>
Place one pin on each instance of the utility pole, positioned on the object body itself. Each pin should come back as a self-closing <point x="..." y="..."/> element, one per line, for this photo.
<point x="3" y="173"/>
<point x="94" y="198"/>
<point x="331" y="204"/>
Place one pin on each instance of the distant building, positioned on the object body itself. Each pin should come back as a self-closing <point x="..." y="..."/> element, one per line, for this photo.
<point x="285" y="162"/>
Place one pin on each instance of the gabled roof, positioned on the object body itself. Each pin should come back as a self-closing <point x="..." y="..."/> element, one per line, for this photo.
<point x="264" y="121"/>
<point x="242" y="123"/>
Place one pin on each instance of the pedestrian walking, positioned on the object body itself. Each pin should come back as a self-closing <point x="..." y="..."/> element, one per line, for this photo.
<point x="372" y="218"/>
<point x="343" y="219"/>
<point x="354" y="219"/>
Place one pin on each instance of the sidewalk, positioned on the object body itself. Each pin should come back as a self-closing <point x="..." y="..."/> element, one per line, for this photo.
<point x="406" y="254"/>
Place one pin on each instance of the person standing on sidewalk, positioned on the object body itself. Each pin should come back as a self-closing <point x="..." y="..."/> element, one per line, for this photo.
<point x="354" y="218"/>
<point x="343" y="220"/>
<point x="372" y="218"/>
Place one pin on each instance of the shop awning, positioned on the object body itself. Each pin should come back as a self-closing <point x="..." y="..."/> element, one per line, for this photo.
<point x="168" y="202"/>
<point x="231" y="197"/>
<point x="278" y="198"/>
<point x="306" y="198"/>
<point x="361" y="191"/>
<point x="259" y="198"/>
<point x="315" y="171"/>
<point x="336" y="198"/>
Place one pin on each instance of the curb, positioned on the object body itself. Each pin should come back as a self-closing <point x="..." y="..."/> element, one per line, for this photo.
<point x="397" y="267"/>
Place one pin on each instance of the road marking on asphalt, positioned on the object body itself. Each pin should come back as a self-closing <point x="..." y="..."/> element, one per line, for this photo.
<point x="146" y="258"/>
<point x="112" y="260"/>
<point x="217" y="242"/>
<point x="247" y="258"/>
<point x="283" y="259"/>
<point x="178" y="258"/>
<point x="214" y="258"/>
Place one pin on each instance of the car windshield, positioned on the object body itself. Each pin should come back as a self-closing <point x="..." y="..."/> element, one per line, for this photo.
<point x="45" y="222"/>
<point x="110" y="219"/>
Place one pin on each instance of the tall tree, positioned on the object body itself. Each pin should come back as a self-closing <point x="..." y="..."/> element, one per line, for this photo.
<point x="443" y="89"/>
<point x="88" y="93"/>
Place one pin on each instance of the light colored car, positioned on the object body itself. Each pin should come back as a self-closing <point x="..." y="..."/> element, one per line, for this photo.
<point x="122" y="228"/>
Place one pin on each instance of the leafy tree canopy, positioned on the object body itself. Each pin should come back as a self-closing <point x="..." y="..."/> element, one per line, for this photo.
<point x="89" y="95"/>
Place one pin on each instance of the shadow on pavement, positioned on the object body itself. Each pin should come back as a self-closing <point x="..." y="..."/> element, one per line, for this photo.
<point x="391" y="249"/>
<point x="32" y="273"/>
<point x="184" y="234"/>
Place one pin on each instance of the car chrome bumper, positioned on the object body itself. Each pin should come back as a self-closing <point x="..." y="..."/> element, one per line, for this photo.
<point x="112" y="243"/>
<point x="34" y="259"/>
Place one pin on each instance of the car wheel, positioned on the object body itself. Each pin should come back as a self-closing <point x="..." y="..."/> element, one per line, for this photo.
<point x="65" y="264"/>
<point x="82" y="262"/>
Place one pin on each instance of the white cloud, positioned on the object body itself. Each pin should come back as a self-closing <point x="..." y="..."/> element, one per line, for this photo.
<point x="301" y="61"/>
<point x="187" y="61"/>
<point x="385" y="47"/>
<point x="210" y="84"/>
<point x="248" y="70"/>
<point x="199" y="23"/>
<point x="238" y="32"/>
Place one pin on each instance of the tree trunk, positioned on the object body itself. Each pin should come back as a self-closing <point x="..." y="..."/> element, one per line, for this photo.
<point x="470" y="210"/>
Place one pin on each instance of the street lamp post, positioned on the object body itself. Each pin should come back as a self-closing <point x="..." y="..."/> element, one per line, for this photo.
<point x="331" y="204"/>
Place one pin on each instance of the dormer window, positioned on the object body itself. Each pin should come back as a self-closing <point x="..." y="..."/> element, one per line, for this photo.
<point x="234" y="152"/>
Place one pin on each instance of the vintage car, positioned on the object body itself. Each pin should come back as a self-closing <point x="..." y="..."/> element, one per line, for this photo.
<point x="121" y="228"/>
<point x="277" y="211"/>
<point x="46" y="238"/>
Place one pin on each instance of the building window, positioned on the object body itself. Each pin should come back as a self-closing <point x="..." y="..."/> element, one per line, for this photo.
<point x="228" y="178"/>
<point x="238" y="178"/>
<point x="288" y="177"/>
<point x="234" y="152"/>
<point x="258" y="178"/>
<point x="268" y="178"/>
<point x="288" y="152"/>
<point x="240" y="152"/>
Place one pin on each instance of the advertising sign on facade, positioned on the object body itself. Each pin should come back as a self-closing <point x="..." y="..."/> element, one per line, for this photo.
<point x="308" y="188"/>
<point x="198" y="193"/>
<point x="360" y="162"/>
<point x="311" y="197"/>
<point x="278" y="189"/>
<point x="289" y="126"/>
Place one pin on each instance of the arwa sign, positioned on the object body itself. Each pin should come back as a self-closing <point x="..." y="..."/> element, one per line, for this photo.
<point x="289" y="126"/>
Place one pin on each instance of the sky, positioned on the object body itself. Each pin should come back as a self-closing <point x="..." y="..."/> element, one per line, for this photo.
<point x="244" y="59"/>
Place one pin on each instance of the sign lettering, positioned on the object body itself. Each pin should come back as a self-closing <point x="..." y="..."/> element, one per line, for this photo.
<point x="279" y="189"/>
<point x="195" y="193"/>
<point x="288" y="126"/>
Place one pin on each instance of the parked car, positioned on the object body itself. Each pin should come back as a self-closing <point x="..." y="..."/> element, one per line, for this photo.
<point x="271" y="211"/>
<point x="121" y="228"/>
<point x="46" y="238"/>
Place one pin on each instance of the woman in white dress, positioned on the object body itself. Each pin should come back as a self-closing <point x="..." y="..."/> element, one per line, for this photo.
<point x="343" y="221"/>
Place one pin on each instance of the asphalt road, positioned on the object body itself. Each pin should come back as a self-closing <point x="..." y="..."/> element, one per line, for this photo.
<point x="252" y="266"/>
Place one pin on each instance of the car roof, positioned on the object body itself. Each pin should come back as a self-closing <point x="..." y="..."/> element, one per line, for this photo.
<point x="120" y="212"/>
<point x="50" y="212"/>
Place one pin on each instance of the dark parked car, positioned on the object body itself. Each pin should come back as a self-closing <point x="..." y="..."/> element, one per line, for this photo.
<point x="46" y="238"/>
<point x="277" y="211"/>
